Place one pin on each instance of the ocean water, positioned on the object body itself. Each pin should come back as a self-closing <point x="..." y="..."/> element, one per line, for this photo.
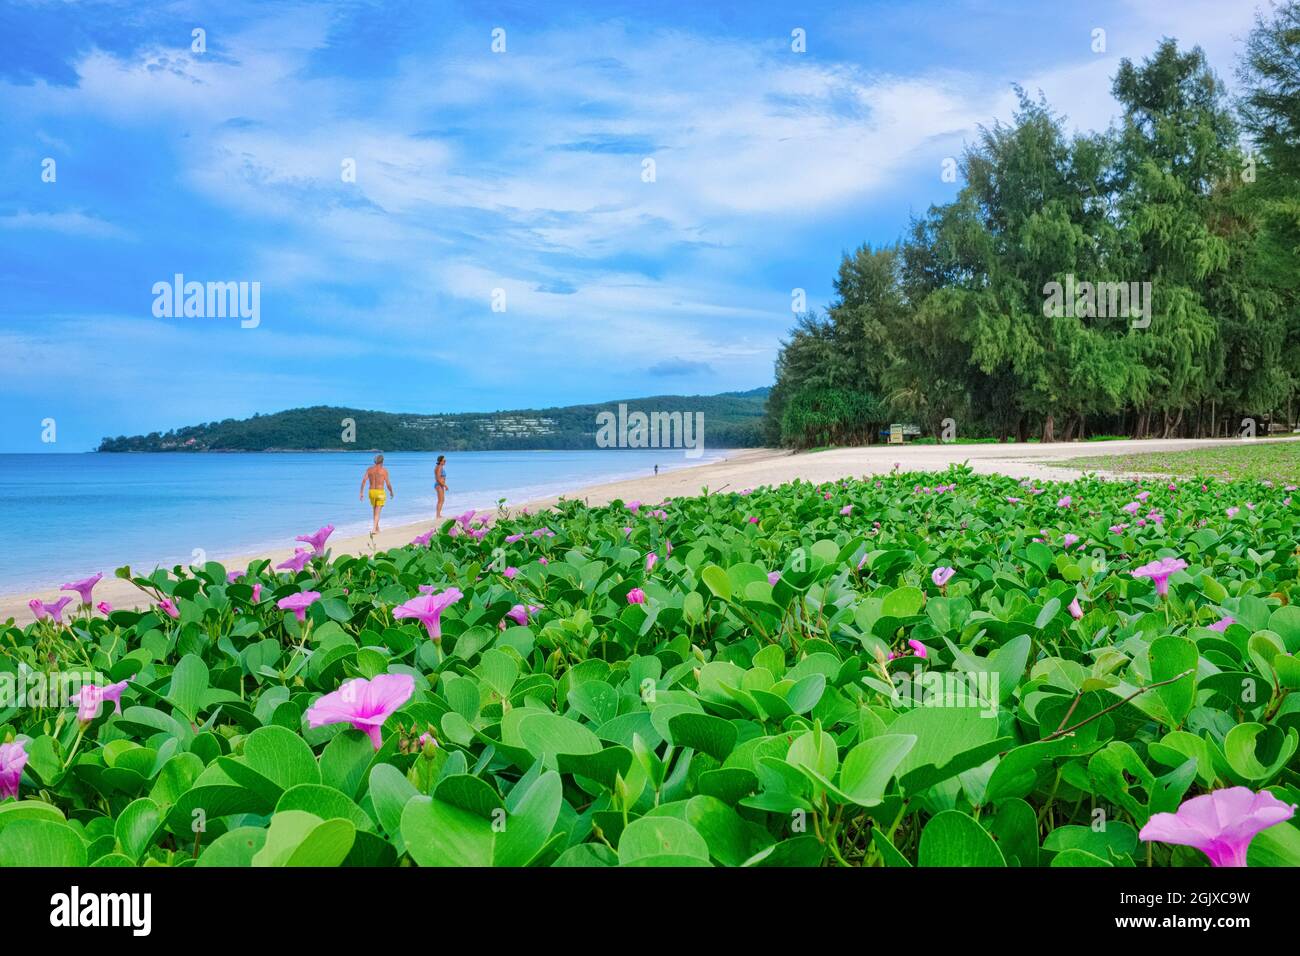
<point x="66" y="516"/>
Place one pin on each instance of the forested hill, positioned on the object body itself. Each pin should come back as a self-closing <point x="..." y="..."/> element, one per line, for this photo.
<point x="731" y="420"/>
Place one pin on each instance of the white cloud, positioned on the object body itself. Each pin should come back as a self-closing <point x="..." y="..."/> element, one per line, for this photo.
<point x="70" y="222"/>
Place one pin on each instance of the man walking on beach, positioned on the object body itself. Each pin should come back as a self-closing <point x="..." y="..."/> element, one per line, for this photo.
<point x="377" y="475"/>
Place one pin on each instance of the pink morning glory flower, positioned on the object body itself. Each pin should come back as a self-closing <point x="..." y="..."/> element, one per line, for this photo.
<point x="752" y="519"/>
<point x="233" y="576"/>
<point x="650" y="560"/>
<point x="295" y="564"/>
<point x="520" y="614"/>
<point x="13" y="757"/>
<point x="427" y="609"/>
<point x="298" y="603"/>
<point x="773" y="577"/>
<point x="422" y="540"/>
<point x="257" y="592"/>
<point x="1232" y="512"/>
<point x="90" y="699"/>
<point x="1132" y="507"/>
<point x="847" y="510"/>
<point x="627" y="531"/>
<point x="668" y="548"/>
<point x="104" y="608"/>
<point x="1159" y="573"/>
<point x="317" y="540"/>
<point x="942" y="575"/>
<point x="1076" y="611"/>
<point x="543" y="532"/>
<point x="365" y="704"/>
<point x="169" y="608"/>
<point x="53" y="611"/>
<point x="1220" y="824"/>
<point x="1011" y="499"/>
<point x="1223" y="624"/>
<point x="636" y="596"/>
<point x="918" y="648"/>
<point x="634" y="506"/>
<point x="1143" y="495"/>
<point x="512" y="538"/>
<point x="509" y="573"/>
<point x="83" y="587"/>
<point x="1064" y="502"/>
<point x="1117" y="528"/>
<point x="1069" y="540"/>
<point x="543" y="561"/>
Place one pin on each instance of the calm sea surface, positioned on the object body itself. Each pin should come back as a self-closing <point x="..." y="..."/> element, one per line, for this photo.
<point x="66" y="516"/>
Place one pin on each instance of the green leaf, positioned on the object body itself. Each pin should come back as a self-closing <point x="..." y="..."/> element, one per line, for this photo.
<point x="234" y="848"/>
<point x="324" y="802"/>
<point x="137" y="827"/>
<point x="465" y="823"/>
<point x="902" y="602"/>
<point x="952" y="838"/>
<point x="13" y="811"/>
<point x="42" y="843"/>
<point x="662" y="841"/>
<point x="1171" y="656"/>
<point x="869" y="767"/>
<point x="390" y="791"/>
<point x="716" y="580"/>
<point x="297" y="838"/>
<point x="712" y="735"/>
<point x="950" y="740"/>
<point x="281" y="756"/>
<point x="1248" y="745"/>
<point x="189" y="683"/>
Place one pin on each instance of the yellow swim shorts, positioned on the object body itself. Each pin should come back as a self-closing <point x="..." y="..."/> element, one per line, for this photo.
<point x="377" y="496"/>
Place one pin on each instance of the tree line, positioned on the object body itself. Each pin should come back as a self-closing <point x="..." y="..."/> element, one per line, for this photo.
<point x="731" y="420"/>
<point x="1141" y="281"/>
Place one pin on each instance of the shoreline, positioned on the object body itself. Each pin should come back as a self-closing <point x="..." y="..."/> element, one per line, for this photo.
<point x="123" y="594"/>
<point x="745" y="468"/>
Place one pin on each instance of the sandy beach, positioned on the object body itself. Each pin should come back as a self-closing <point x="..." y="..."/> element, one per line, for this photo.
<point x="750" y="468"/>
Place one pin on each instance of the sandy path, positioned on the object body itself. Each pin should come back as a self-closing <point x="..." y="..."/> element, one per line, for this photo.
<point x="743" y="469"/>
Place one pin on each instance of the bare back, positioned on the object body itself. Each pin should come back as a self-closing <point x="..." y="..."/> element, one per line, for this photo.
<point x="377" y="475"/>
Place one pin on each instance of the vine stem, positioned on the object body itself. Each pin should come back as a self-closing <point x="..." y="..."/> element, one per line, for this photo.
<point x="1118" y="704"/>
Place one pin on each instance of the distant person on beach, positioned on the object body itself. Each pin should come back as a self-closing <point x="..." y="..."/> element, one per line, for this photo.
<point x="440" y="482"/>
<point x="377" y="475"/>
<point x="656" y="469"/>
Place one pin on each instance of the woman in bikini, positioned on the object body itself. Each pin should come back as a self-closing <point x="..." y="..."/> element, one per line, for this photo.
<point x="440" y="482"/>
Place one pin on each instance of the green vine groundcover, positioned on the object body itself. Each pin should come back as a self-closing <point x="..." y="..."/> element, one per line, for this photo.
<point x="911" y="670"/>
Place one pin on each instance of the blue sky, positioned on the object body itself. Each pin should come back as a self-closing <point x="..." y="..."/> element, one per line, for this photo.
<point x="476" y="171"/>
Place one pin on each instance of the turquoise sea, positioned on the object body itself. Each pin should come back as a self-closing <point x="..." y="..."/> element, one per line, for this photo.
<point x="66" y="516"/>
